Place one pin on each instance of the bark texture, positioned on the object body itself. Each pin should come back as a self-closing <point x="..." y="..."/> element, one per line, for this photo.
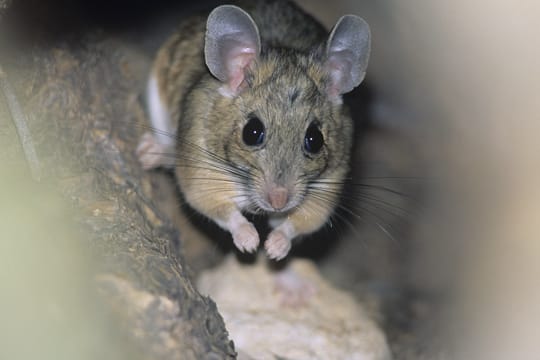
<point x="80" y="104"/>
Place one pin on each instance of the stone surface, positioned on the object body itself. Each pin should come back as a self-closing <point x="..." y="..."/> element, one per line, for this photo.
<point x="330" y="325"/>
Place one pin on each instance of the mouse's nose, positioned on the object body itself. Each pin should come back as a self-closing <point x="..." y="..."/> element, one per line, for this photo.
<point x="278" y="197"/>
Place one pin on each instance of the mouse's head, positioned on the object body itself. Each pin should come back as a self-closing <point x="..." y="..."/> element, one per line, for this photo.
<point x="288" y="129"/>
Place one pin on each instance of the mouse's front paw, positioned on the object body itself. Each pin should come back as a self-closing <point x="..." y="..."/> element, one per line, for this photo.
<point x="151" y="153"/>
<point x="246" y="238"/>
<point x="277" y="245"/>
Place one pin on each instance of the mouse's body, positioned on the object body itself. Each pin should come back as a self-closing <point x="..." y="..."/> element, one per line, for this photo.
<point x="253" y="101"/>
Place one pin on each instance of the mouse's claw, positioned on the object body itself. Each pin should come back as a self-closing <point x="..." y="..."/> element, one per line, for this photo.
<point x="152" y="154"/>
<point x="277" y="245"/>
<point x="246" y="238"/>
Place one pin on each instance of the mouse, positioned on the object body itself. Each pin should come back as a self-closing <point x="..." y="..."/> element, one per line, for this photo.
<point x="246" y="107"/>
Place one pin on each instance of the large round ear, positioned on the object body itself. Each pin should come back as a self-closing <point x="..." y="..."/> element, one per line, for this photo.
<point x="232" y="42"/>
<point x="347" y="54"/>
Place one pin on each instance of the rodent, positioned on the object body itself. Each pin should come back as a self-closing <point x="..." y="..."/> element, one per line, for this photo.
<point x="246" y="105"/>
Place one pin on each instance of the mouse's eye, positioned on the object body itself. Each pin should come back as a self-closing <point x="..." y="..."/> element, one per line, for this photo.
<point x="313" y="141"/>
<point x="253" y="133"/>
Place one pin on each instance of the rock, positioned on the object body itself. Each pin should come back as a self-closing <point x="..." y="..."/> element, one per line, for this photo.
<point x="331" y="325"/>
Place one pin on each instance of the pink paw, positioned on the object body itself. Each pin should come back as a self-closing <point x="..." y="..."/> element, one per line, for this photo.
<point x="152" y="154"/>
<point x="246" y="238"/>
<point x="277" y="245"/>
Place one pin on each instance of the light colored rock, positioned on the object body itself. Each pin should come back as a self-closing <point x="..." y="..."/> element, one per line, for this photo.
<point x="331" y="325"/>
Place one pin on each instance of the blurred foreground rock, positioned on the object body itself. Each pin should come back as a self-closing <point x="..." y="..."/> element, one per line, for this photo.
<point x="331" y="325"/>
<point x="80" y="104"/>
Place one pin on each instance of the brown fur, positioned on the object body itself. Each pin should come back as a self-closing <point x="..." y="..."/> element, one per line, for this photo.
<point x="286" y="88"/>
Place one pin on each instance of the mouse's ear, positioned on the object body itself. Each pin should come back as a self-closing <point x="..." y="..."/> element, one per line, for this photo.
<point x="347" y="54"/>
<point x="232" y="42"/>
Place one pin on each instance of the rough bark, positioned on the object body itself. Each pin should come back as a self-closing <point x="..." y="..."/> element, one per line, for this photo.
<point x="80" y="104"/>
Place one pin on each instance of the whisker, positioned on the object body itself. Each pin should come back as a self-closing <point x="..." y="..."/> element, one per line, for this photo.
<point x="221" y="166"/>
<point x="361" y="196"/>
<point x="336" y="214"/>
<point x="363" y="185"/>
<point x="215" y="162"/>
<point x="233" y="181"/>
<point x="208" y="196"/>
<point x="387" y="207"/>
<point x="340" y="206"/>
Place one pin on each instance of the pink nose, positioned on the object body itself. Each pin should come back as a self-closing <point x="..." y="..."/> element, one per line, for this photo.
<point x="278" y="197"/>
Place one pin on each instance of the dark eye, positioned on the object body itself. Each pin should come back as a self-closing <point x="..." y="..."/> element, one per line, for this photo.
<point x="314" y="141"/>
<point x="253" y="133"/>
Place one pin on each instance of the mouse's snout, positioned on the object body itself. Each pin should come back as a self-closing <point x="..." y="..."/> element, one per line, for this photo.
<point x="278" y="197"/>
